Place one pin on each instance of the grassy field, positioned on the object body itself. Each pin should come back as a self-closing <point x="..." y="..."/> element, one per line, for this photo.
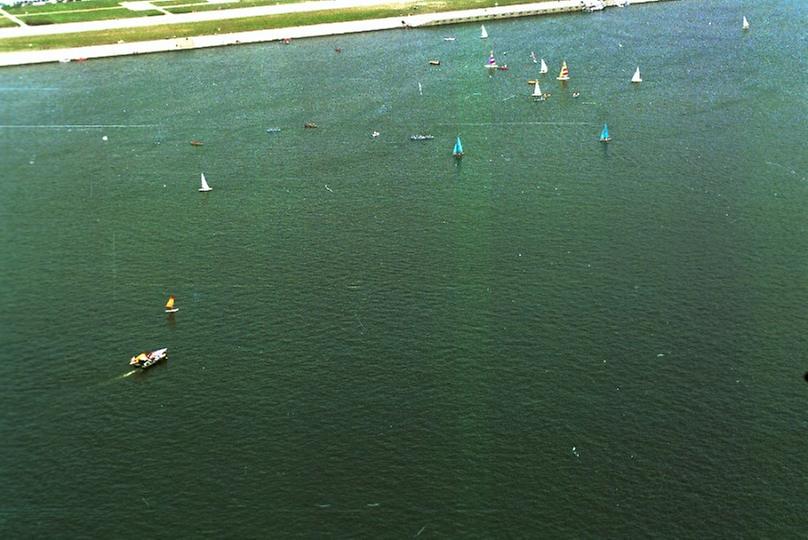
<point x="226" y="26"/>
<point x="75" y="16"/>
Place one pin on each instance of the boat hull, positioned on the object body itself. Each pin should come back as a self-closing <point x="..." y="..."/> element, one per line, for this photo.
<point x="150" y="359"/>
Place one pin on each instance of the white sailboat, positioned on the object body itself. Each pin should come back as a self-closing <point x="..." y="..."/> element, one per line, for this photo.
<point x="537" y="95"/>
<point x="543" y="68"/>
<point x="204" y="184"/>
<point x="636" y="78"/>
<point x="745" y="24"/>
<point x="483" y="33"/>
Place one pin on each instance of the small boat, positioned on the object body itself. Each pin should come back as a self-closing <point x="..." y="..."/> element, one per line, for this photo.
<point x="458" y="148"/>
<point x="197" y="143"/>
<point x="448" y="39"/>
<point x="421" y="137"/>
<point x="745" y="23"/>
<point x="148" y="359"/>
<point x="537" y="95"/>
<point x="170" y="307"/>
<point x="564" y="74"/>
<point x="492" y="62"/>
<point x="434" y="62"/>
<point x="543" y="68"/>
<point x="310" y="125"/>
<point x="273" y="130"/>
<point x="204" y="184"/>
<point x="533" y="57"/>
<point x="483" y="33"/>
<point x="636" y="78"/>
<point x="503" y="67"/>
<point x="604" y="134"/>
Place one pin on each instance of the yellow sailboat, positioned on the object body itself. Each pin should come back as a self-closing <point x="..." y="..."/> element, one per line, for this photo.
<point x="170" y="305"/>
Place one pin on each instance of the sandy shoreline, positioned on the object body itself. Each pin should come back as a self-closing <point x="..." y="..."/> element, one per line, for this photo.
<point x="414" y="21"/>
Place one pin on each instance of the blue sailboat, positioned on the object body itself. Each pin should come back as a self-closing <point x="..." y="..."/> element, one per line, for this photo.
<point x="604" y="134"/>
<point x="458" y="148"/>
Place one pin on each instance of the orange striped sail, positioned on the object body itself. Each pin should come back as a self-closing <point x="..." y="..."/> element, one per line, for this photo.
<point x="564" y="74"/>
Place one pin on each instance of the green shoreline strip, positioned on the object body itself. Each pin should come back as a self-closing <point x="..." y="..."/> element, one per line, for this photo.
<point x="229" y="26"/>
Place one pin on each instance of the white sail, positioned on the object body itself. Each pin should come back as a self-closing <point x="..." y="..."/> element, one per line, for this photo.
<point x="204" y="186"/>
<point x="483" y="33"/>
<point x="543" y="68"/>
<point x="745" y="24"/>
<point x="636" y="77"/>
<point x="536" y="90"/>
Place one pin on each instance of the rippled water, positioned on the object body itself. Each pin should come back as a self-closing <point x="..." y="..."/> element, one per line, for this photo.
<point x="551" y="338"/>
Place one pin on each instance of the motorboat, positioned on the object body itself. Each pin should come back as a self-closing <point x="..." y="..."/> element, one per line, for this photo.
<point x="148" y="359"/>
<point x="420" y="137"/>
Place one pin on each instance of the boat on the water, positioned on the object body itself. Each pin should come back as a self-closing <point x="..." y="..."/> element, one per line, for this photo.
<point x="533" y="57"/>
<point x="310" y="125"/>
<point x="448" y="39"/>
<point x="604" y="134"/>
<point x="420" y="137"/>
<point x="434" y="62"/>
<point x="204" y="183"/>
<point x="458" y="148"/>
<point x="483" y="33"/>
<point x="745" y="23"/>
<point x="273" y="130"/>
<point x="147" y="359"/>
<point x="564" y="74"/>
<point x="537" y="95"/>
<point x="492" y="62"/>
<point x="170" y="307"/>
<point x="543" y="68"/>
<point x="197" y="143"/>
<point x="636" y="78"/>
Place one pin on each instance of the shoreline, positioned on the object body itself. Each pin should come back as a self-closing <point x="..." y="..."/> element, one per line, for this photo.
<point x="19" y="58"/>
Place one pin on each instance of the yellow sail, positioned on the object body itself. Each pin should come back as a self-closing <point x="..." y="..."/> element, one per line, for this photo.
<point x="170" y="303"/>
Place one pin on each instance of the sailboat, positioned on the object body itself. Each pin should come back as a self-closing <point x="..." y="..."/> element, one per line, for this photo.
<point x="492" y="63"/>
<point x="745" y="24"/>
<point x="537" y="95"/>
<point x="483" y="33"/>
<point x="604" y="134"/>
<point x="636" y="78"/>
<point x="205" y="186"/>
<point x="458" y="148"/>
<point x="170" y="305"/>
<point x="533" y="57"/>
<point x="543" y="68"/>
<point x="564" y="74"/>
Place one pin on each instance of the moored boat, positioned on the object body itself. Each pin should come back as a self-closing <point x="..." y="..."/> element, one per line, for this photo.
<point x="148" y="359"/>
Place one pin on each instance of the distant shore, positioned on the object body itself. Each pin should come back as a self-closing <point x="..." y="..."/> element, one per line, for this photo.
<point x="26" y="57"/>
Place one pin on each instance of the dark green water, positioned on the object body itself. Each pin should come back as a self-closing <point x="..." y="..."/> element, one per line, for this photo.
<point x="375" y="341"/>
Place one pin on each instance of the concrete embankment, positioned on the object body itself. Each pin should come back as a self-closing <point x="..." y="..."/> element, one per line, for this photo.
<point x="257" y="36"/>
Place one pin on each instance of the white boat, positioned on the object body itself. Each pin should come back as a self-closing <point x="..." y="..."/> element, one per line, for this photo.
<point x="745" y="24"/>
<point x="448" y="39"/>
<point x="204" y="184"/>
<point x="636" y="78"/>
<point x="483" y="33"/>
<point x="533" y="57"/>
<point x="148" y="359"/>
<point x="537" y="95"/>
<point x="543" y="68"/>
<point x="170" y="307"/>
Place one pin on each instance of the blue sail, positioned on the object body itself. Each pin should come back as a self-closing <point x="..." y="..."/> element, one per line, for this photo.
<point x="604" y="135"/>
<point x="458" y="148"/>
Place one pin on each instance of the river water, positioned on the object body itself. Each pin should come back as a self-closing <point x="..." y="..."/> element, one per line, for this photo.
<point x="552" y="337"/>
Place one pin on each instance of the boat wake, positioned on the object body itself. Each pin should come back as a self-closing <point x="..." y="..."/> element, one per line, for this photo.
<point x="125" y="375"/>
